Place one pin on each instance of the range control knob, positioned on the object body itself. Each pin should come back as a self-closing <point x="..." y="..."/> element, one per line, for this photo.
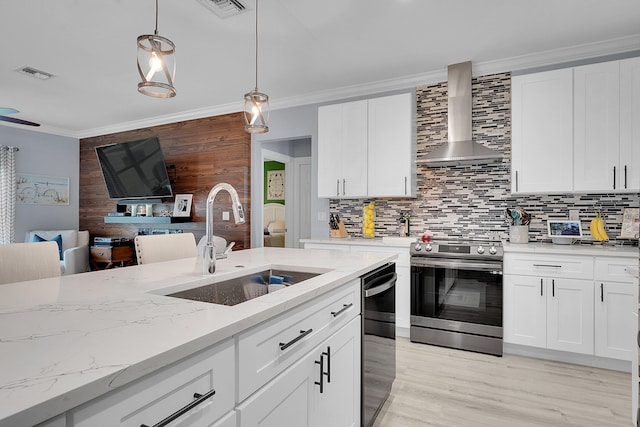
<point x="418" y="247"/>
<point x="493" y="250"/>
<point x="428" y="248"/>
<point x="480" y="250"/>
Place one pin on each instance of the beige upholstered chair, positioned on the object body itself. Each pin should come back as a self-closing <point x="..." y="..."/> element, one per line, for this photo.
<point x="165" y="247"/>
<point x="28" y="261"/>
<point x="74" y="249"/>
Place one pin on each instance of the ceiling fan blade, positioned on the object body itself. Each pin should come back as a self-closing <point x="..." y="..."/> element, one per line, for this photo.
<point x="7" y="110"/>
<point x="18" y="121"/>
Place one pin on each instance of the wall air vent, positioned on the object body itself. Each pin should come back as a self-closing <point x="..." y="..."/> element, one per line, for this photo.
<point x="225" y="8"/>
<point x="32" y="72"/>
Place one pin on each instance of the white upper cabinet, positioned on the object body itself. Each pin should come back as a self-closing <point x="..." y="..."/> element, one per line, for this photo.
<point x="542" y="117"/>
<point x="392" y="139"/>
<point x="576" y="129"/>
<point x="367" y="148"/>
<point x="597" y="127"/>
<point x="630" y="124"/>
<point x="342" y="150"/>
<point x="607" y="138"/>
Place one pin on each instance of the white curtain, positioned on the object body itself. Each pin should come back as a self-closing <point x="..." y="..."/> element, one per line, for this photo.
<point x="7" y="193"/>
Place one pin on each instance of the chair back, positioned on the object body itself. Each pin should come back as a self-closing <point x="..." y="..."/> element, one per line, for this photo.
<point x="165" y="247"/>
<point x="28" y="261"/>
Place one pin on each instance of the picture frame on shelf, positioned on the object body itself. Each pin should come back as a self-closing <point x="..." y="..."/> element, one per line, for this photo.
<point x="182" y="205"/>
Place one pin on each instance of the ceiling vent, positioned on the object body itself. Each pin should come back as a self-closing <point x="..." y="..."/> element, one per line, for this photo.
<point x="32" y="72"/>
<point x="225" y="8"/>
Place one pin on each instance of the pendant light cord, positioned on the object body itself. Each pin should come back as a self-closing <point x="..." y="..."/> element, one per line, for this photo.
<point x="156" y="30"/>
<point x="256" y="45"/>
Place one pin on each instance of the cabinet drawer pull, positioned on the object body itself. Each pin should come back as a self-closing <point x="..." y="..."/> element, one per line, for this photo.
<point x="553" y="288"/>
<point x="199" y="398"/>
<point x="321" y="382"/>
<point x="328" y="354"/>
<point x="344" y="308"/>
<point x="547" y="265"/>
<point x="541" y="280"/>
<point x="601" y="292"/>
<point x="284" y="346"/>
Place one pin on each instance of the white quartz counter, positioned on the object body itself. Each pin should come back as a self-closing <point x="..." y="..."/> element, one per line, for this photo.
<point x="67" y="340"/>
<point x="586" y="250"/>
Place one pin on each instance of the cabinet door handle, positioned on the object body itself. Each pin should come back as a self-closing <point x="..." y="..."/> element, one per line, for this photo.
<point x="547" y="265"/>
<point x="344" y="308"/>
<point x="284" y="346"/>
<point x="553" y="288"/>
<point x="328" y="354"/>
<point x="344" y="186"/>
<point x="541" y="287"/>
<point x="601" y="292"/>
<point x="199" y="398"/>
<point x="405" y="186"/>
<point x="614" y="177"/>
<point x="516" y="181"/>
<point x="625" y="177"/>
<point x="338" y="187"/>
<point x="321" y="382"/>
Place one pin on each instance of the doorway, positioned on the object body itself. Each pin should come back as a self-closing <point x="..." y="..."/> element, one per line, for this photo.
<point x="286" y="220"/>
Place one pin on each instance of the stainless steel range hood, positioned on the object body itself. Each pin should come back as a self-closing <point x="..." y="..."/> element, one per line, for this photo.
<point x="460" y="149"/>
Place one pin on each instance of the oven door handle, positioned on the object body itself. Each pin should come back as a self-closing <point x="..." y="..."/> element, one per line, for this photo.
<point x="494" y="268"/>
<point x="388" y="283"/>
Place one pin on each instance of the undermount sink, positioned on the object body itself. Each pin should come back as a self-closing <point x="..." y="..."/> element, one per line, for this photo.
<point x="244" y="288"/>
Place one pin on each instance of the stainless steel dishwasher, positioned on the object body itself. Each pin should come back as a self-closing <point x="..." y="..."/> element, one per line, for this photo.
<point x="378" y="340"/>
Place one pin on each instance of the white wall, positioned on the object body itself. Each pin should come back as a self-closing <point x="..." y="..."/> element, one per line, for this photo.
<point x="290" y="124"/>
<point x="49" y="155"/>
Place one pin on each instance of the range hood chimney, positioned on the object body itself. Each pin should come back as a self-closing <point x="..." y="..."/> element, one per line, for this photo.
<point x="460" y="149"/>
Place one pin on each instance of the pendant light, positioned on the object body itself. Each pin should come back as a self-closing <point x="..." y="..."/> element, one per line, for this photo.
<point x="256" y="104"/>
<point x="156" y="64"/>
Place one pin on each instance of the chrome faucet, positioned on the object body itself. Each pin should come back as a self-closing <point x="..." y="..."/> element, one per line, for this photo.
<point x="209" y="254"/>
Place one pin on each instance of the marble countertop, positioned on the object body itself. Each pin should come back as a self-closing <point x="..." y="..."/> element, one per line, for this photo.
<point x="586" y="250"/>
<point x="532" y="247"/>
<point x="67" y="340"/>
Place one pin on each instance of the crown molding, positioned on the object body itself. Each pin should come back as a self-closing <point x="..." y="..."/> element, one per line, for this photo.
<point x="548" y="58"/>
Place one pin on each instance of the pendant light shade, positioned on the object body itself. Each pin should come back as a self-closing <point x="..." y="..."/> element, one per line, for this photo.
<point x="256" y="103"/>
<point x="156" y="64"/>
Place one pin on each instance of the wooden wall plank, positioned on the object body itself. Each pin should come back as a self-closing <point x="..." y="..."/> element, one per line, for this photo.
<point x="204" y="151"/>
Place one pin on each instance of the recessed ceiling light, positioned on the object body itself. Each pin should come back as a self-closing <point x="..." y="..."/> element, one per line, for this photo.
<point x="38" y="74"/>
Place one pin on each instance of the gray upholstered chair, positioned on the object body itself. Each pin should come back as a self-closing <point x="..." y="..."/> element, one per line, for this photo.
<point x="28" y="261"/>
<point x="73" y="248"/>
<point x="165" y="247"/>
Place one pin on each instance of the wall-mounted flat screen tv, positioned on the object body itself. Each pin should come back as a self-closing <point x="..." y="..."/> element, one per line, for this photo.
<point x="134" y="170"/>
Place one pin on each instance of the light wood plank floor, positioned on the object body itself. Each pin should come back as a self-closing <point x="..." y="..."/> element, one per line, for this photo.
<point x="437" y="386"/>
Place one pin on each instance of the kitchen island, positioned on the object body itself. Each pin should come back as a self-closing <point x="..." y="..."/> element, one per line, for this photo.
<point x="68" y="340"/>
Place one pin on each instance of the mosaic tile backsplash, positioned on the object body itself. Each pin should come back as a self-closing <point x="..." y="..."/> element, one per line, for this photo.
<point x="470" y="201"/>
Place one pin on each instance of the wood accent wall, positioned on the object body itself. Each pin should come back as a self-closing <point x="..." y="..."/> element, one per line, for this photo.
<point x="204" y="151"/>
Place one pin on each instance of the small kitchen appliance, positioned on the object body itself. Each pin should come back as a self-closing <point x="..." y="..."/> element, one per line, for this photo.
<point x="456" y="295"/>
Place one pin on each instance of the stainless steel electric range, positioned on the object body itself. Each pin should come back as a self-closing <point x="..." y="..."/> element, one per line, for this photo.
<point x="456" y="295"/>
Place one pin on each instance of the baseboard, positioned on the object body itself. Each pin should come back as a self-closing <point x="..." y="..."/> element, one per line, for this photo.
<point x="402" y="332"/>
<point x="567" y="357"/>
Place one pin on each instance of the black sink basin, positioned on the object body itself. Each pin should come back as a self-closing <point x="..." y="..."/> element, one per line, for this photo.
<point x="244" y="288"/>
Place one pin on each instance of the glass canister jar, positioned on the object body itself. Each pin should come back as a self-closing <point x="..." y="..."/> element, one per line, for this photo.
<point x="368" y="217"/>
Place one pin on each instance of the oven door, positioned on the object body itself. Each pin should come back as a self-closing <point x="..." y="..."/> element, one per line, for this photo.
<point x="459" y="295"/>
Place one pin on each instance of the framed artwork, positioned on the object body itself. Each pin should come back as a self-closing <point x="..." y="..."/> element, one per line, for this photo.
<point x="42" y="190"/>
<point x="275" y="185"/>
<point x="630" y="223"/>
<point x="182" y="205"/>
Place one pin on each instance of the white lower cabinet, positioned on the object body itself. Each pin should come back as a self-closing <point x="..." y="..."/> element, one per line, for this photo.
<point x="206" y="377"/>
<point x="321" y="389"/>
<point x="570" y="315"/>
<point x="549" y="313"/>
<point x="590" y="315"/>
<point x="615" y="296"/>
